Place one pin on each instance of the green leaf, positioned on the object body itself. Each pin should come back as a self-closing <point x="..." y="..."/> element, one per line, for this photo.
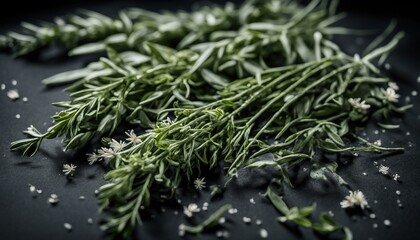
<point x="67" y="77"/>
<point x="201" y="60"/>
<point x="88" y="48"/>
<point x="277" y="201"/>
<point x="215" y="80"/>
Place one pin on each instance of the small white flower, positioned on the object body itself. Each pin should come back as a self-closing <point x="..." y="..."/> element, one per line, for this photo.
<point x="199" y="183"/>
<point x="117" y="146"/>
<point x="393" y="85"/>
<point x="191" y="209"/>
<point x="356" y="103"/>
<point x="383" y="169"/>
<point x="167" y="122"/>
<point x="92" y="158"/>
<point x="132" y="137"/>
<point x="106" y="153"/>
<point x="69" y="169"/>
<point x="396" y="177"/>
<point x="391" y="95"/>
<point x="355" y="198"/>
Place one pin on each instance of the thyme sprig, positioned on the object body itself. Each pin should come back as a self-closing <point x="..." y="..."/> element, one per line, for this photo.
<point x="134" y="86"/>
<point x="234" y="128"/>
<point x="134" y="26"/>
<point x="212" y="85"/>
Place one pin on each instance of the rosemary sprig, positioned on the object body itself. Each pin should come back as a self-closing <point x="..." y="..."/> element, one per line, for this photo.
<point x="229" y="78"/>
<point x="234" y="129"/>
<point x="134" y="87"/>
<point x="132" y="27"/>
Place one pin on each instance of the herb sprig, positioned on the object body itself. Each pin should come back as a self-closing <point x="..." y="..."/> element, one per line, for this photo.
<point x="211" y="85"/>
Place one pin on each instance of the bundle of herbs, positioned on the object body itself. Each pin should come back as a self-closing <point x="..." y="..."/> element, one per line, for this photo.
<point x="214" y="85"/>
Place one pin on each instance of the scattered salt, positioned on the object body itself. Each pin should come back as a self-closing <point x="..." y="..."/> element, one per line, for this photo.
<point x="3" y="86"/>
<point x="414" y="93"/>
<point x="18" y="116"/>
<point x="24" y="99"/>
<point x="252" y="200"/>
<point x="53" y="199"/>
<point x="263" y="233"/>
<point x="14" y="82"/>
<point x="232" y="210"/>
<point x="90" y="220"/>
<point x="387" y="223"/>
<point x="68" y="226"/>
<point x="13" y="94"/>
<point x="246" y="219"/>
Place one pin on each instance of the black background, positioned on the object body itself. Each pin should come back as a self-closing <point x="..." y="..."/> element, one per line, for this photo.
<point x="25" y="217"/>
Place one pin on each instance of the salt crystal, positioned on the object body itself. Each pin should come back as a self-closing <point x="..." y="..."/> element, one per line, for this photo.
<point x="252" y="201"/>
<point x="375" y="225"/>
<point x="258" y="222"/>
<point x="246" y="219"/>
<point x="14" y="82"/>
<point x="372" y="215"/>
<point x="364" y="174"/>
<point x="24" y="99"/>
<point x="68" y="226"/>
<point x="53" y="199"/>
<point x="13" y="94"/>
<point x="222" y="220"/>
<point x="414" y="93"/>
<point x="232" y="210"/>
<point x="18" y="116"/>
<point x="398" y="192"/>
<point x="387" y="223"/>
<point x="3" y="86"/>
<point x="418" y="79"/>
<point x="387" y="66"/>
<point x="263" y="233"/>
<point x="82" y="198"/>
<point x="90" y="220"/>
<point x="32" y="188"/>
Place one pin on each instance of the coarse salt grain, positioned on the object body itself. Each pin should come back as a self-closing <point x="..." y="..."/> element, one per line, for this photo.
<point x="387" y="223"/>
<point x="246" y="219"/>
<point x="24" y="99"/>
<point x="263" y="233"/>
<point x="68" y="226"/>
<point x="13" y="94"/>
<point x="3" y="86"/>
<point x="414" y="93"/>
<point x="18" y="116"/>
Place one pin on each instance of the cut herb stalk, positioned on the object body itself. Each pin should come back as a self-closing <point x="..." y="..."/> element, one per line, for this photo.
<point x="227" y="130"/>
<point x="135" y="87"/>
